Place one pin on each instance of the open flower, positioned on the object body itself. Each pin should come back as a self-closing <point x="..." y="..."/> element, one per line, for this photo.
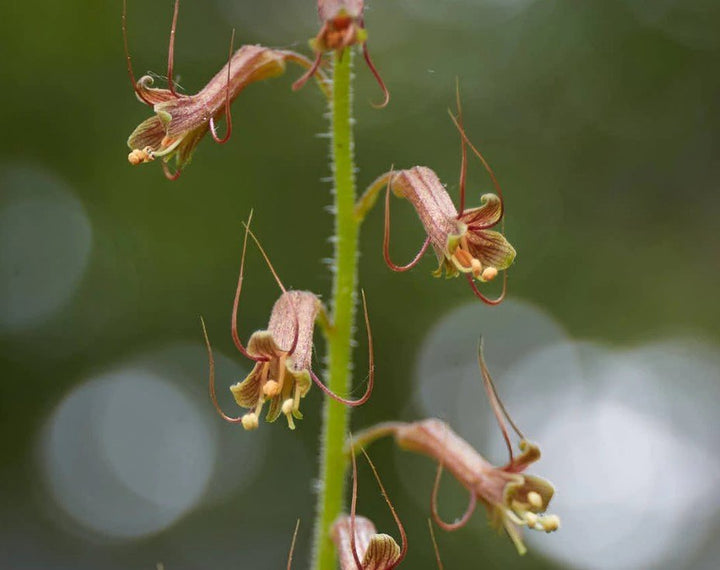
<point x="463" y="240"/>
<point x="181" y="121"/>
<point x="282" y="353"/>
<point x="512" y="498"/>
<point x="358" y="544"/>
<point x="343" y="26"/>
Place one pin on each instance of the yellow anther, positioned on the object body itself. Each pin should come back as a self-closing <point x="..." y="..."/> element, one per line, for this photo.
<point x="535" y="499"/>
<point x="271" y="388"/>
<point x="250" y="421"/>
<point x="489" y="273"/>
<point x="532" y="519"/>
<point x="476" y="267"/>
<point x="287" y="406"/>
<point x="138" y="156"/>
<point x="550" y="523"/>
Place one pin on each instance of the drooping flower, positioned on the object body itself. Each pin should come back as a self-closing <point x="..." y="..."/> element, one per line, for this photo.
<point x="463" y="241"/>
<point x="343" y="26"/>
<point x="282" y="374"/>
<point x="512" y="498"/>
<point x="181" y="121"/>
<point x="358" y="544"/>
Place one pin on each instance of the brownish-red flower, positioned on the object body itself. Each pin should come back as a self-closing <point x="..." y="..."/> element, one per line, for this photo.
<point x="512" y="498"/>
<point x="463" y="241"/>
<point x="181" y="121"/>
<point x="282" y="374"/>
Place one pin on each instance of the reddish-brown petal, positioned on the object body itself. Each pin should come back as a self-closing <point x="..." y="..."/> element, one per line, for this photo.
<point x="152" y="95"/>
<point x="490" y="248"/>
<point x="331" y="9"/>
<point x="422" y="187"/>
<point x="149" y="133"/>
<point x="340" y="534"/>
<point x="282" y="326"/>
<point x="485" y="216"/>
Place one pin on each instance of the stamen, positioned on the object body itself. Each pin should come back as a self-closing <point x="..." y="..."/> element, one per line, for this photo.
<point x="287" y="409"/>
<point x="296" y="398"/>
<point x="281" y="370"/>
<point x="167" y="146"/>
<point x="476" y="267"/>
<point x="463" y="257"/>
<point x="489" y="273"/>
<point x="550" y="523"/>
<point x="535" y="499"/>
<point x="138" y="156"/>
<point x="532" y="519"/>
<point x="271" y="389"/>
<point x="250" y="421"/>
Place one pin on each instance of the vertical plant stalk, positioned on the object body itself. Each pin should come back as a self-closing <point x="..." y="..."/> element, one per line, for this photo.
<point x="336" y="417"/>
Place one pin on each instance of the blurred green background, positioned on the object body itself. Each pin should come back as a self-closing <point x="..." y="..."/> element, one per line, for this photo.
<point x="601" y="120"/>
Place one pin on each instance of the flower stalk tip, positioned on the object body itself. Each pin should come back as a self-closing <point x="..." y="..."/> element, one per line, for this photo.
<point x="343" y="26"/>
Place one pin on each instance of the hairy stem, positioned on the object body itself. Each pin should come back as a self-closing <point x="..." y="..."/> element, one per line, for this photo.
<point x="336" y="417"/>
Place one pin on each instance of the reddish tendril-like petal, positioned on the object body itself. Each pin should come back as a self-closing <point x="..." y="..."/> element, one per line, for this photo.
<point x="211" y="381"/>
<point x="371" y="369"/>
<point x="463" y="161"/>
<point x="171" y="176"/>
<point x="128" y="59"/>
<point x="292" y="544"/>
<point x="171" y="49"/>
<point x="376" y="74"/>
<point x="386" y="238"/>
<point x="353" y="507"/>
<point x="236" y="302"/>
<point x="398" y="522"/>
<point x="498" y="407"/>
<point x="435" y="546"/>
<point x="485" y="164"/>
<point x="228" y="116"/>
<point x="433" y="506"/>
<point x="282" y="288"/>
<point x="309" y="73"/>
<point x="497" y="300"/>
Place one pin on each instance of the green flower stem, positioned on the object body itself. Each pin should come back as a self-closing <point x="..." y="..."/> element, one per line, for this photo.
<point x="336" y="417"/>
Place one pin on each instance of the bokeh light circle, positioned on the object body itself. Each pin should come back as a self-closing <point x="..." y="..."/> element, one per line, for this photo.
<point x="45" y="242"/>
<point x="127" y="453"/>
